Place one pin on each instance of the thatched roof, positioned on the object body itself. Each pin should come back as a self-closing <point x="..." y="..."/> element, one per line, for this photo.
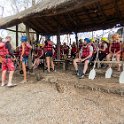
<point x="69" y="15"/>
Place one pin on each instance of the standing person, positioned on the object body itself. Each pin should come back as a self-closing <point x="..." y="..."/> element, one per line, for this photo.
<point x="85" y="55"/>
<point x="115" y="50"/>
<point x="24" y="53"/>
<point x="48" y="50"/>
<point x="6" y="54"/>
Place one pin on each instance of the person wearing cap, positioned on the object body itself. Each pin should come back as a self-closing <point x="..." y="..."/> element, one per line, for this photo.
<point x="115" y="50"/>
<point x="103" y="48"/>
<point x="85" y="56"/>
<point x="6" y="52"/>
<point x="24" y="53"/>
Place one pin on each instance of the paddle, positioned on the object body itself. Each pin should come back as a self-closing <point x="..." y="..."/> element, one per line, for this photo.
<point x="121" y="77"/>
<point x="92" y="73"/>
<point x="109" y="71"/>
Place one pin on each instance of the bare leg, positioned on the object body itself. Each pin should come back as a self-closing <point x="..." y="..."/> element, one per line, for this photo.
<point x="52" y="64"/>
<point x="85" y="66"/>
<point x="75" y="63"/>
<point x="108" y="57"/>
<point x="3" y="77"/>
<point x="24" y="71"/>
<point x="10" y="78"/>
<point x="118" y="60"/>
<point x="48" y="63"/>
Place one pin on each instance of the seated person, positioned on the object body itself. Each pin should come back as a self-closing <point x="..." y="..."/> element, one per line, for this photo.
<point x="85" y="56"/>
<point x="103" y="48"/>
<point x="73" y="50"/>
<point x="115" y="50"/>
<point x="65" y="50"/>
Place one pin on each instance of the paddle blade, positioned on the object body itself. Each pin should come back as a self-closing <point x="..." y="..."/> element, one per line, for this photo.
<point x="92" y="74"/>
<point x="121" y="78"/>
<point x="108" y="73"/>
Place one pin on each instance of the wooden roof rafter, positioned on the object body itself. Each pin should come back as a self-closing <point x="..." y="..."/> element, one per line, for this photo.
<point x="117" y="11"/>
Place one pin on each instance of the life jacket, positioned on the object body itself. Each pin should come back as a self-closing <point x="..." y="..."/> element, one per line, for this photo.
<point x="26" y="50"/>
<point x="48" y="47"/>
<point x="115" y="47"/>
<point x="65" y="49"/>
<point x="85" y="51"/>
<point x="73" y="49"/>
<point x="3" y="50"/>
<point x="102" y="47"/>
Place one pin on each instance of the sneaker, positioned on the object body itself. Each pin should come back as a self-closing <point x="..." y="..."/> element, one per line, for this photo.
<point x="81" y="77"/>
<point x="77" y="73"/>
<point x="11" y="85"/>
<point x="3" y="84"/>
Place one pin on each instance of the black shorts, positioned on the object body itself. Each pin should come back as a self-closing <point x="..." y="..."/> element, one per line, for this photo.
<point x="49" y="54"/>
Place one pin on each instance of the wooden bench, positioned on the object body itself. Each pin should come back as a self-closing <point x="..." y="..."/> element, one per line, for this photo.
<point x="60" y="61"/>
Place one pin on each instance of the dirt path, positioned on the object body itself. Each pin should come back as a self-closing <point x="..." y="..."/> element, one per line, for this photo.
<point x="40" y="103"/>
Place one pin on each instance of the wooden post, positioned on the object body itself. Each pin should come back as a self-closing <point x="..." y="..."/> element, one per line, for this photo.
<point x="16" y="35"/>
<point x="58" y="45"/>
<point x="76" y="37"/>
<point x="37" y="37"/>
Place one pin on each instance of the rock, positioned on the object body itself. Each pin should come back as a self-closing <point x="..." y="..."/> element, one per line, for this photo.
<point x="59" y="87"/>
<point x="52" y="80"/>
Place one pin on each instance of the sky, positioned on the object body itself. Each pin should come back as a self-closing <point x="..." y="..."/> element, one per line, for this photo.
<point x="10" y="9"/>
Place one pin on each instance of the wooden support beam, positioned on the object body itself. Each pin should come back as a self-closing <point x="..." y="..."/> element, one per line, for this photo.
<point x="16" y="35"/>
<point x="91" y="19"/>
<point x="58" y="44"/>
<point x="39" y="26"/>
<point x="109" y="62"/>
<point x="18" y="31"/>
<point x="100" y="8"/>
<point x="46" y="25"/>
<point x="30" y="24"/>
<point x="76" y="37"/>
<point x="37" y="37"/>
<point x="117" y="11"/>
<point x="56" y="21"/>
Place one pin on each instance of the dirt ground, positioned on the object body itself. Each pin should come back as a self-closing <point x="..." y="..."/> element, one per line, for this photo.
<point x="40" y="103"/>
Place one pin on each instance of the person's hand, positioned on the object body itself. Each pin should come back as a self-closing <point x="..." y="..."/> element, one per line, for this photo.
<point x="82" y="60"/>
